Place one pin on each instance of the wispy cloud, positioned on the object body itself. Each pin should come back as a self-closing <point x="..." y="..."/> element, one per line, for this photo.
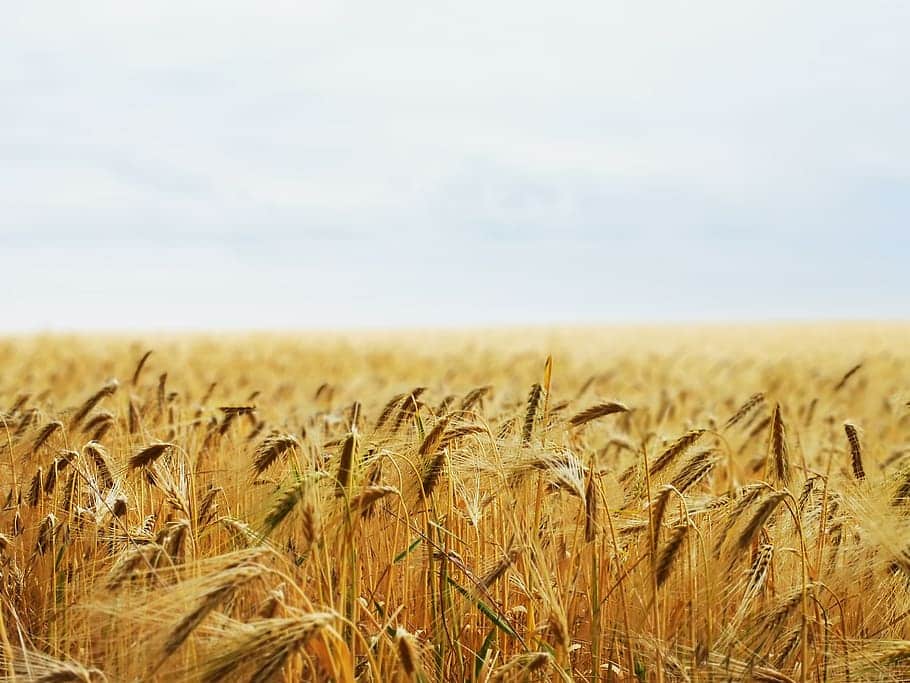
<point x="754" y="142"/>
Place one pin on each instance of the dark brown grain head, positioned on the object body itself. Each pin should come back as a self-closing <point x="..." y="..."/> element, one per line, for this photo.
<point x="96" y="453"/>
<point x="778" y="451"/>
<point x="500" y="568"/>
<point x="761" y="565"/>
<point x="856" y="451"/>
<point x="346" y="465"/>
<point x="674" y="450"/>
<point x="474" y="397"/>
<point x="141" y="364"/>
<point x="284" y="504"/>
<point x="695" y="469"/>
<point x="107" y="390"/>
<point x="208" y="507"/>
<point x="45" y="434"/>
<point x="46" y="531"/>
<point x="408" y="654"/>
<point x="162" y="392"/>
<point x="758" y="520"/>
<point x="753" y="402"/>
<point x="149" y="454"/>
<point x="434" y="439"/>
<point x="597" y="411"/>
<point x="364" y="500"/>
<point x="846" y="378"/>
<point x="237" y="410"/>
<point x="668" y="554"/>
<point x="387" y="410"/>
<point x="35" y="487"/>
<point x="432" y="472"/>
<point x="119" y="507"/>
<point x="531" y="413"/>
<point x="272" y="448"/>
<point x="135" y="419"/>
<point x="657" y="515"/>
<point x="408" y="408"/>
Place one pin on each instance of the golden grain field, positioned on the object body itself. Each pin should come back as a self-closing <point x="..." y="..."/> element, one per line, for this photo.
<point x="664" y="504"/>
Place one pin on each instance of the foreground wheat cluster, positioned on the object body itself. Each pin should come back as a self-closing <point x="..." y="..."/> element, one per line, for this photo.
<point x="581" y="505"/>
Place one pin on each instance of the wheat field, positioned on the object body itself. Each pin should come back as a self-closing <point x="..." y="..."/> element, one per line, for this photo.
<point x="660" y="504"/>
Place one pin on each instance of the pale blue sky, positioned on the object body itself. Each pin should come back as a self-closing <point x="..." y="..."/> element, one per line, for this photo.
<point x="239" y="164"/>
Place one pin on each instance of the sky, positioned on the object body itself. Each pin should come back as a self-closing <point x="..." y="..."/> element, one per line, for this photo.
<point x="231" y="165"/>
